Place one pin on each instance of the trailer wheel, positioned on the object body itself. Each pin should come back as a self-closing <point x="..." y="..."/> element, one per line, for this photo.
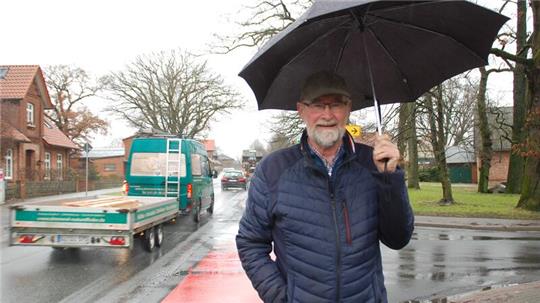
<point x="159" y="235"/>
<point x="149" y="240"/>
<point x="210" y="209"/>
<point x="197" y="211"/>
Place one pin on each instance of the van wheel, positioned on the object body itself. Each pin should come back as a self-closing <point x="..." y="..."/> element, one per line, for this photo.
<point x="197" y="212"/>
<point x="210" y="209"/>
<point x="159" y="235"/>
<point x="149" y="240"/>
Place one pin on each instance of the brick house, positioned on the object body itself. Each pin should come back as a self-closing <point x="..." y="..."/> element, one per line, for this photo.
<point x="500" y="120"/>
<point x="108" y="162"/>
<point x="31" y="147"/>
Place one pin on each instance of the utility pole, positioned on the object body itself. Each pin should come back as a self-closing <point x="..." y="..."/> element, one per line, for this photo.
<point x="87" y="148"/>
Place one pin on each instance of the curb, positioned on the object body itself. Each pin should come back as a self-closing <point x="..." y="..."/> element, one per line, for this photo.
<point x="513" y="293"/>
<point x="479" y="227"/>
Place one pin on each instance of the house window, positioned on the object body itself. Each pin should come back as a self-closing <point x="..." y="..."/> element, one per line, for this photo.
<point x="9" y="164"/>
<point x="109" y="167"/>
<point x="47" y="166"/>
<point x="30" y="114"/>
<point x="59" y="166"/>
<point x="3" y="72"/>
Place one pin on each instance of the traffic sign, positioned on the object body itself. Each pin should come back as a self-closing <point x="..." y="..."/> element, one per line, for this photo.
<point x="354" y="130"/>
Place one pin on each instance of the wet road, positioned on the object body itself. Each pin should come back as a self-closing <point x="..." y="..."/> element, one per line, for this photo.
<point x="437" y="262"/>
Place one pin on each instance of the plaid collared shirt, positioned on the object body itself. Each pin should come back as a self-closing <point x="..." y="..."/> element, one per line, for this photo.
<point x="329" y="165"/>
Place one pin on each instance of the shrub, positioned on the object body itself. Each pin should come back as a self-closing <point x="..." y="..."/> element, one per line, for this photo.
<point x="429" y="175"/>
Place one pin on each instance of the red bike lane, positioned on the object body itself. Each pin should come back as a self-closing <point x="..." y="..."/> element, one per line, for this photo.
<point x="218" y="277"/>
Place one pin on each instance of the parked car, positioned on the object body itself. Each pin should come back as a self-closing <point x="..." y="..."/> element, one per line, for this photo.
<point x="234" y="179"/>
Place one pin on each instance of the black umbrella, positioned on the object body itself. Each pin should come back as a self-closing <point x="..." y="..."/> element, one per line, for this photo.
<point x="399" y="49"/>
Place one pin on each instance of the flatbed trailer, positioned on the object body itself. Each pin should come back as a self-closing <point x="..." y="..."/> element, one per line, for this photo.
<point x="110" y="221"/>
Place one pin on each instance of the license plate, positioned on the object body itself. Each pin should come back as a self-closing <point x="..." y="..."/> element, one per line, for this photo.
<point x="233" y="180"/>
<point x="72" y="239"/>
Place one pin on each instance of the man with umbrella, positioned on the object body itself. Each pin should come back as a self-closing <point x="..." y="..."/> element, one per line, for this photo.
<point x="324" y="205"/>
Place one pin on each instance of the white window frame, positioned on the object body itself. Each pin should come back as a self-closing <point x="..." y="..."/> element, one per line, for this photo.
<point x="47" y="165"/>
<point x="30" y="114"/>
<point x="8" y="174"/>
<point x="59" y="166"/>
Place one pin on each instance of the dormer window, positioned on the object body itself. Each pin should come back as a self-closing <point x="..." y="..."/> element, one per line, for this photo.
<point x="30" y="114"/>
<point x="3" y="72"/>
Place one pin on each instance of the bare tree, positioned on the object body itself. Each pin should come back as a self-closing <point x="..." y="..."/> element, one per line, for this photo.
<point x="69" y="88"/>
<point x="170" y="91"/>
<point x="459" y="98"/>
<point x="259" y="147"/>
<point x="264" y="19"/>
<point x="411" y="138"/>
<point x="286" y="128"/>
<point x="438" y="139"/>
<point x="529" y="148"/>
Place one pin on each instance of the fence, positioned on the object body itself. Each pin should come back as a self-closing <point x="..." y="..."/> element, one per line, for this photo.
<point x="31" y="189"/>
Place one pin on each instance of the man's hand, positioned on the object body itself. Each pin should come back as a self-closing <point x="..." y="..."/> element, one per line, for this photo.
<point x="384" y="150"/>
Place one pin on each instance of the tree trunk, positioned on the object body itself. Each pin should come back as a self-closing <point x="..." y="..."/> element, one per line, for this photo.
<point x="485" y="153"/>
<point x="530" y="189"/>
<point x="516" y="165"/>
<point x="413" y="180"/>
<point x="402" y="128"/>
<point x="438" y="143"/>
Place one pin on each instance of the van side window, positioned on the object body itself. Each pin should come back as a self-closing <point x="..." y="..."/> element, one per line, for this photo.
<point x="205" y="170"/>
<point x="196" y="168"/>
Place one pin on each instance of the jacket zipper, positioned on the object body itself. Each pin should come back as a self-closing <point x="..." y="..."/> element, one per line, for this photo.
<point x="347" y="223"/>
<point x="338" y="246"/>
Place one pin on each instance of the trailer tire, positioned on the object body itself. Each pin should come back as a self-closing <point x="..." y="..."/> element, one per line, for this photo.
<point x="149" y="239"/>
<point x="159" y="235"/>
<point x="210" y="209"/>
<point x="197" y="212"/>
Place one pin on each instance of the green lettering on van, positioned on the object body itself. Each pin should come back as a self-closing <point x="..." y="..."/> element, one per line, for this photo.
<point x="70" y="217"/>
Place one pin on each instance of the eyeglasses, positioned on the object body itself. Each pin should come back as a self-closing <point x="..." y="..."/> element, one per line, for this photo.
<point x="319" y="107"/>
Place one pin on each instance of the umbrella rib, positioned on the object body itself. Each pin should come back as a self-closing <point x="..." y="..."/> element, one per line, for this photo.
<point x="421" y="28"/>
<point x="342" y="49"/>
<point x="381" y="44"/>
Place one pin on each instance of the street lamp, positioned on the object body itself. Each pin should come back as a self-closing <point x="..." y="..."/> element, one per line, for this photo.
<point x="87" y="149"/>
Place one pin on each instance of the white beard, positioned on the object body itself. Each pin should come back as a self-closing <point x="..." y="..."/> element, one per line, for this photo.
<point x="325" y="138"/>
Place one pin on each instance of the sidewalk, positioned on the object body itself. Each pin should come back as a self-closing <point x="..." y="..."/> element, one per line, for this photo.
<point x="218" y="277"/>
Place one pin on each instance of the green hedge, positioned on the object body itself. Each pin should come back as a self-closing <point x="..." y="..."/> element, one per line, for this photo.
<point x="429" y="175"/>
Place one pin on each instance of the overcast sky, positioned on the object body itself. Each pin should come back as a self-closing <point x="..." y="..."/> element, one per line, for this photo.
<point x="103" y="35"/>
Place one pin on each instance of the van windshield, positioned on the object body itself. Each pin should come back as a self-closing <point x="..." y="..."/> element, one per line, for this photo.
<point x="155" y="164"/>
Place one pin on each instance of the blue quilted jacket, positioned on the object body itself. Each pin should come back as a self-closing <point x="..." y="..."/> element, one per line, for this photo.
<point x="324" y="235"/>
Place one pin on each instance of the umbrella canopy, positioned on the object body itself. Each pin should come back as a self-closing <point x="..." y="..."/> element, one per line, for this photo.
<point x="399" y="49"/>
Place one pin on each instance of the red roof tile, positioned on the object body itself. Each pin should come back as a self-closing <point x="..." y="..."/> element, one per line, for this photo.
<point x="54" y="136"/>
<point x="18" y="80"/>
<point x="209" y="144"/>
<point x="8" y="131"/>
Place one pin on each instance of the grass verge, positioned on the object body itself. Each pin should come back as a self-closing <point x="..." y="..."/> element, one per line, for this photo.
<point x="469" y="203"/>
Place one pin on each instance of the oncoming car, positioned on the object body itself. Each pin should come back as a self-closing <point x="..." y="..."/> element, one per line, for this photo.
<point x="233" y="179"/>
